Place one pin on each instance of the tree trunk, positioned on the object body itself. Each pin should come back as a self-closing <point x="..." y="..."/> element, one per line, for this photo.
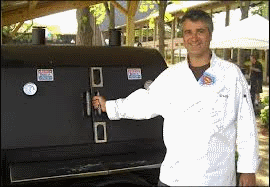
<point x="110" y="11"/>
<point x="161" y="29"/>
<point x="267" y="10"/>
<point x="244" y="7"/>
<point x="112" y="17"/>
<point x="85" y="32"/>
<point x="96" y="38"/>
<point x="227" y="52"/>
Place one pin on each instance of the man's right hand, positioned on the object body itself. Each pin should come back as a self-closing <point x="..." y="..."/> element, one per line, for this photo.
<point x="99" y="102"/>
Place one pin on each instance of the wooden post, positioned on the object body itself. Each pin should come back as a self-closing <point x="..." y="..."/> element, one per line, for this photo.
<point x="123" y="36"/>
<point x="179" y="54"/>
<point x="132" y="8"/>
<point x="176" y="23"/>
<point x="165" y="54"/>
<point x="267" y="5"/>
<point x="130" y="30"/>
<point x="227" y="22"/>
<point x="265" y="66"/>
<point x="147" y="36"/>
<point x="155" y="34"/>
<point x="238" y="57"/>
<point x="95" y="37"/>
<point x="141" y="34"/>
<point x="172" y="39"/>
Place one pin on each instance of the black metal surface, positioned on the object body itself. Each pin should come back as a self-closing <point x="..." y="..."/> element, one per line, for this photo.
<point x="48" y="132"/>
<point x="23" y="172"/>
<point x="38" y="36"/>
<point x="114" y="37"/>
<point x="82" y="56"/>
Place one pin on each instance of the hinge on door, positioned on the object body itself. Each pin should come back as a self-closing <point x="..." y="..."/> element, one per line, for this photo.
<point x="100" y="131"/>
<point x="96" y="77"/>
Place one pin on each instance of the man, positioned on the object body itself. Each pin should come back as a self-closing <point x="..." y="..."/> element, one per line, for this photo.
<point x="256" y="78"/>
<point x="207" y="111"/>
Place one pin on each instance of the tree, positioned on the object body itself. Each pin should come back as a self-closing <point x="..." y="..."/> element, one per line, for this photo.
<point x="85" y="32"/>
<point x="261" y="9"/>
<point x="244" y="7"/>
<point x="162" y="5"/>
<point x="99" y="12"/>
<point x="161" y="28"/>
<point x="111" y="14"/>
<point x="11" y="32"/>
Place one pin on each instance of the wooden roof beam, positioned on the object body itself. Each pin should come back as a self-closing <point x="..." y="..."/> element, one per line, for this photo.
<point x="132" y="7"/>
<point x="117" y="5"/>
<point x="17" y="28"/>
<point x="32" y="5"/>
<point x="44" y="9"/>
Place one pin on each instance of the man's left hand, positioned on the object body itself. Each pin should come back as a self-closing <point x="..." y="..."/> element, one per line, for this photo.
<point x="247" y="179"/>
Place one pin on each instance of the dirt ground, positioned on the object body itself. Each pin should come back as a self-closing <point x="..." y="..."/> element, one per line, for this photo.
<point x="263" y="173"/>
<point x="263" y="133"/>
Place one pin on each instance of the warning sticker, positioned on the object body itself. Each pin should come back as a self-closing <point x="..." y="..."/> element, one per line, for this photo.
<point x="45" y="75"/>
<point x="134" y="74"/>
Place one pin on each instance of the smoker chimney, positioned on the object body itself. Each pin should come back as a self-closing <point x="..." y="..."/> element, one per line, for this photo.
<point x="114" y="37"/>
<point x="38" y="35"/>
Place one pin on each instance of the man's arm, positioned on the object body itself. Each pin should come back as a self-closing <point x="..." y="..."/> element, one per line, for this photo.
<point x="141" y="104"/>
<point x="247" y="140"/>
<point x="256" y="69"/>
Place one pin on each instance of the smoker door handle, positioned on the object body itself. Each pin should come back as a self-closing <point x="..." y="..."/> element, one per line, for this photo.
<point x="88" y="104"/>
<point x="99" y="109"/>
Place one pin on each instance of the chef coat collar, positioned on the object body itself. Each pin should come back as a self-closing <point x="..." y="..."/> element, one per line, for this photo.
<point x="213" y="60"/>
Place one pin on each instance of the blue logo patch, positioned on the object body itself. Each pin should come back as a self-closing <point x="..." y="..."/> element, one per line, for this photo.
<point x="207" y="79"/>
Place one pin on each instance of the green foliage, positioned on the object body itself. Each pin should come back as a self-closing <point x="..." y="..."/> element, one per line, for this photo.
<point x="99" y="12"/>
<point x="265" y="111"/>
<point x="84" y="19"/>
<point x="168" y="17"/>
<point x="146" y="5"/>
<point x="7" y="32"/>
<point x="265" y="101"/>
<point x="151" y="22"/>
<point x="53" y="29"/>
<point x="236" y="156"/>
<point x="260" y="9"/>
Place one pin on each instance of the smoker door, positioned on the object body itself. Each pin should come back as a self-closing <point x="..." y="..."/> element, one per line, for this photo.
<point x="54" y="116"/>
<point x="125" y="135"/>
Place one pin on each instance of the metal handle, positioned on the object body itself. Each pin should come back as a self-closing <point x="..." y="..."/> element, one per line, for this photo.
<point x="98" y="139"/>
<point x="88" y="104"/>
<point x="99" y="109"/>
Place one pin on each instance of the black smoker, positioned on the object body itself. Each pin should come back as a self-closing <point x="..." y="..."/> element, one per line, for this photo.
<point x="49" y="129"/>
<point x="38" y="35"/>
<point x="114" y="37"/>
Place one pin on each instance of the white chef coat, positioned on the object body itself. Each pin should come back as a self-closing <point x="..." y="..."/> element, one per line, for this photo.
<point x="202" y="123"/>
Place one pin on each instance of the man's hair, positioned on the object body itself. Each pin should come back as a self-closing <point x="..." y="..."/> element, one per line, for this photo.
<point x="198" y="15"/>
<point x="255" y="56"/>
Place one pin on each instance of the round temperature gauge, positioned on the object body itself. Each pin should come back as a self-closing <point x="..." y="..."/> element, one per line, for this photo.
<point x="29" y="88"/>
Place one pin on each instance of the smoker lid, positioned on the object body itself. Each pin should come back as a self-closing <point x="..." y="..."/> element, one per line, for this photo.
<point x="38" y="55"/>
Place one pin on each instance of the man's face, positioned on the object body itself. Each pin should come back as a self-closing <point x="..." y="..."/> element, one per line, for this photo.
<point x="252" y="60"/>
<point x="196" y="37"/>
